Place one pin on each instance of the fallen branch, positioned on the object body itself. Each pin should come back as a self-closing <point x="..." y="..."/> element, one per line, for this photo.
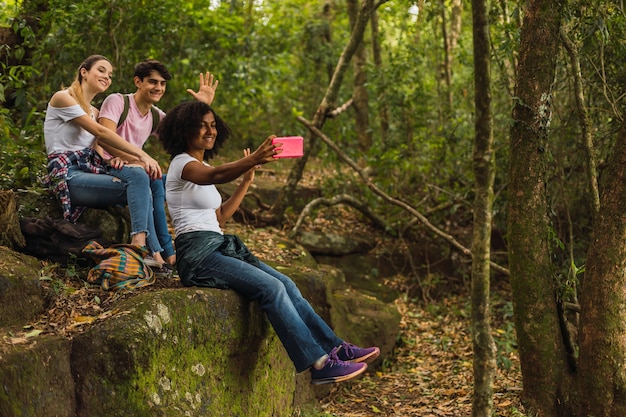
<point x="340" y="199"/>
<point x="450" y="239"/>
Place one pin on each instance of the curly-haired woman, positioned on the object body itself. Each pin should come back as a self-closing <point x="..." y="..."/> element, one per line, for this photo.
<point x="192" y="133"/>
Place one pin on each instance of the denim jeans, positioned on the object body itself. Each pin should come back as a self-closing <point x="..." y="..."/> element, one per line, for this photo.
<point x="129" y="185"/>
<point x="160" y="218"/>
<point x="303" y="333"/>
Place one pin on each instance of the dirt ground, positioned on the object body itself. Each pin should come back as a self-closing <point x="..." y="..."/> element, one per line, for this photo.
<point x="430" y="373"/>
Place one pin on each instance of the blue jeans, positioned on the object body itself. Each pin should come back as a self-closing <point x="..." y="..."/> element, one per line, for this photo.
<point x="305" y="336"/>
<point x="160" y="218"/>
<point x="129" y="185"/>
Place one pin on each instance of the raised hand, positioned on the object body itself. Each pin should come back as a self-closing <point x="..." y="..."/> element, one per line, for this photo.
<point x="206" y="91"/>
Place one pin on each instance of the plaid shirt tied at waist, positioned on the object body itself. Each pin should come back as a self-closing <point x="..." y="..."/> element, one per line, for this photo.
<point x="59" y="163"/>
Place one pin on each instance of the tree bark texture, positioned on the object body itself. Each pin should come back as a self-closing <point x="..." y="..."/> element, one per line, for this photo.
<point x="383" y="110"/>
<point x="484" y="171"/>
<point x="585" y="124"/>
<point x="602" y="354"/>
<point x="543" y="358"/>
<point x="360" y="94"/>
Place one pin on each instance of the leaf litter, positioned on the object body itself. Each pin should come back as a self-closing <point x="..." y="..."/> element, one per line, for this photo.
<point x="430" y="371"/>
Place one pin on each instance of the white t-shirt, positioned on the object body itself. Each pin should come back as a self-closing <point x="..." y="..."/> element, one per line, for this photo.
<point x="60" y="134"/>
<point x="137" y="127"/>
<point x="191" y="206"/>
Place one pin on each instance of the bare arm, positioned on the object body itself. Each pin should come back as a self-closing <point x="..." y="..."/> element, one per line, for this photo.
<point x="230" y="206"/>
<point x="112" y="140"/>
<point x="106" y="136"/>
<point x="112" y="126"/>
<point x="201" y="174"/>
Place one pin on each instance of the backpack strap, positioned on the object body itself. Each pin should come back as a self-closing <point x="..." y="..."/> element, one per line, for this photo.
<point x="156" y="117"/>
<point x="126" y="108"/>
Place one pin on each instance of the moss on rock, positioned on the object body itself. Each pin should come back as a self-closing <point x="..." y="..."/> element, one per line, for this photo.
<point x="184" y="352"/>
<point x="21" y="297"/>
<point x="37" y="380"/>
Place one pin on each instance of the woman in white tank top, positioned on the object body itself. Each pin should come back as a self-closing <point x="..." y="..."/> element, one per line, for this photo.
<point x="78" y="174"/>
<point x="192" y="133"/>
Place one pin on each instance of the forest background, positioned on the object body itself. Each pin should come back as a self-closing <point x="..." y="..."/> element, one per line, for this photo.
<point x="406" y="113"/>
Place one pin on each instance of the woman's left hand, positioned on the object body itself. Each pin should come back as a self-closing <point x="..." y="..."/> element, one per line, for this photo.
<point x="117" y="162"/>
<point x="249" y="175"/>
<point x="206" y="91"/>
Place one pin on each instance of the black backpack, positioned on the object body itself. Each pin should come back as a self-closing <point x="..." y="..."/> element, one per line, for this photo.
<point x="58" y="240"/>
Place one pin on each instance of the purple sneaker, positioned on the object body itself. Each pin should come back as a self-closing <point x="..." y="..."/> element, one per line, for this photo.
<point x="335" y="370"/>
<point x="347" y="352"/>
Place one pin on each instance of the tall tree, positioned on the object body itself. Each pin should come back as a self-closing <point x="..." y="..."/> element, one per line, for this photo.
<point x="450" y="36"/>
<point x="383" y="110"/>
<point x="360" y="95"/>
<point x="484" y="172"/>
<point x="602" y="375"/>
<point x="543" y="357"/>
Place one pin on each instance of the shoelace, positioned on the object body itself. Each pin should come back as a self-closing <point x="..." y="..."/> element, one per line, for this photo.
<point x="333" y="359"/>
<point x="349" y="348"/>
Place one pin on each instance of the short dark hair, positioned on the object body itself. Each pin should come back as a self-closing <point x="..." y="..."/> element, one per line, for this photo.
<point x="183" y="123"/>
<point x="144" y="68"/>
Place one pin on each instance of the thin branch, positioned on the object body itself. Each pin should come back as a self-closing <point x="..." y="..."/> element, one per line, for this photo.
<point x="339" y="199"/>
<point x="450" y="239"/>
<point x="584" y="119"/>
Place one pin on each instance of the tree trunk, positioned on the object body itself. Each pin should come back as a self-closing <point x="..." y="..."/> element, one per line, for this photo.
<point x="446" y="66"/>
<point x="360" y="95"/>
<point x="543" y="356"/>
<point x="602" y="355"/>
<point x="585" y="124"/>
<point x="484" y="171"/>
<point x="383" y="110"/>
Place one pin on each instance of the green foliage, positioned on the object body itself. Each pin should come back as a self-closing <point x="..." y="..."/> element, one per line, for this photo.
<point x="8" y="9"/>
<point x="504" y="336"/>
<point x="275" y="59"/>
<point x="21" y="159"/>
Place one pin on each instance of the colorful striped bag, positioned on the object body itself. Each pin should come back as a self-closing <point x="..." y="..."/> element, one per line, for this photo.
<point x="119" y="267"/>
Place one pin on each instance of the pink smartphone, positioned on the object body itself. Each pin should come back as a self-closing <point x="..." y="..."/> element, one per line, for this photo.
<point x="292" y="146"/>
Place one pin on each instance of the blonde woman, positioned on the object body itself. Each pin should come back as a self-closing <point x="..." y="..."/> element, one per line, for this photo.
<point x="78" y="174"/>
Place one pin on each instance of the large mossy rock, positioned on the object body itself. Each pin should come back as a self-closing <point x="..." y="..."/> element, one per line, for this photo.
<point x="179" y="352"/>
<point x="21" y="297"/>
<point x="37" y="379"/>
<point x="183" y="352"/>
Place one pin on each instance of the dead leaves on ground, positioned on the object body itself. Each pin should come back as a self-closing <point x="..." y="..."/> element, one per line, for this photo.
<point x="430" y="373"/>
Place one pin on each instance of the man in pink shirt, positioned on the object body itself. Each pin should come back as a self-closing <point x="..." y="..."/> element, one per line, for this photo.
<point x="135" y="117"/>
